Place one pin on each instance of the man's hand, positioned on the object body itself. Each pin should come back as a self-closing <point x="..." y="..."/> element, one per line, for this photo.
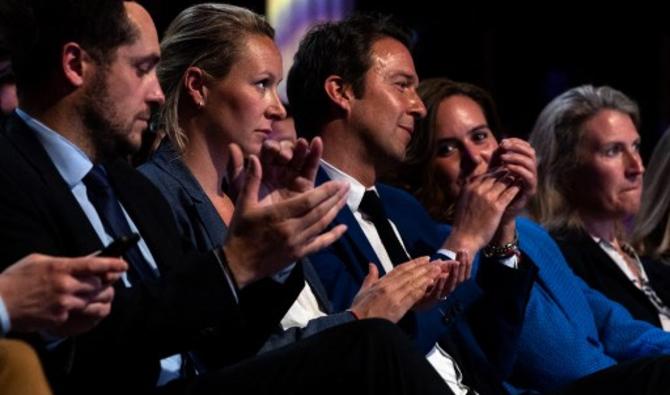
<point x="280" y="216"/>
<point x="452" y="274"/>
<point x="394" y="294"/>
<point x="66" y="296"/>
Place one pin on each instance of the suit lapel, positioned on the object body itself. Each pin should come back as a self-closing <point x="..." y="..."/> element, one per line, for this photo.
<point x="62" y="203"/>
<point x="211" y="223"/>
<point x="610" y="269"/>
<point x="145" y="212"/>
<point x="354" y="235"/>
<point x="312" y="278"/>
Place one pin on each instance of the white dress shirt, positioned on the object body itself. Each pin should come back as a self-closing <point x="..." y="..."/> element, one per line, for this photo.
<point x="307" y="308"/>
<point x="663" y="310"/>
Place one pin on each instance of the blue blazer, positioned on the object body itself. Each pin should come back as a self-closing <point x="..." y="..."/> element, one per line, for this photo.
<point x="198" y="221"/>
<point x="497" y="297"/>
<point x="571" y="330"/>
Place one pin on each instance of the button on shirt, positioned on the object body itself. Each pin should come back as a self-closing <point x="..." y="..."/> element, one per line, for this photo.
<point x="73" y="164"/>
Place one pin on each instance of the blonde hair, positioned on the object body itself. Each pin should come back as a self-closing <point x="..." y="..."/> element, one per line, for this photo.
<point x="208" y="36"/>
<point x="556" y="138"/>
<point x="651" y="235"/>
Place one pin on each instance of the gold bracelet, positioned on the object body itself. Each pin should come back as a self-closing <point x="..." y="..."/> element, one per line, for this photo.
<point x="502" y="251"/>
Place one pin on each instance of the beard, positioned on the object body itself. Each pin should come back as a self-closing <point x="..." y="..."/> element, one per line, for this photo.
<point x="108" y="134"/>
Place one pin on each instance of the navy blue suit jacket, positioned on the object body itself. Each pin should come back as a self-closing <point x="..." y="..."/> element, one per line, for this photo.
<point x="482" y="317"/>
<point x="198" y="221"/>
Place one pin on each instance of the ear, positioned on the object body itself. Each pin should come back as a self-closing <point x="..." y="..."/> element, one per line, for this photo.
<point x="195" y="85"/>
<point x="76" y="63"/>
<point x="339" y="92"/>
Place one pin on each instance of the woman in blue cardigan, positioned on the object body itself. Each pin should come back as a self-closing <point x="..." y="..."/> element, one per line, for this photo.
<point x="590" y="173"/>
<point x="572" y="334"/>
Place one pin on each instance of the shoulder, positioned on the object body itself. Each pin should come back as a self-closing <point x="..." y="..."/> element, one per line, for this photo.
<point x="158" y="167"/>
<point x="528" y="226"/>
<point x="167" y="172"/>
<point x="401" y="202"/>
<point x="409" y="215"/>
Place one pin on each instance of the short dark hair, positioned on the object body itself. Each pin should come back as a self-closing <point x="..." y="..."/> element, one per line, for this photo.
<point x="334" y="48"/>
<point x="36" y="30"/>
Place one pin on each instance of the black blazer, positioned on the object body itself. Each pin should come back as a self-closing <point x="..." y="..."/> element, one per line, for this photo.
<point x="593" y="265"/>
<point x="190" y="307"/>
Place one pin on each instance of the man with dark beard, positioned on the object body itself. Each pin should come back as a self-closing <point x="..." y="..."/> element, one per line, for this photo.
<point x="86" y="79"/>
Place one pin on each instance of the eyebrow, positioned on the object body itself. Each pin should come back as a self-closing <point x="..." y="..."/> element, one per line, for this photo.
<point x="153" y="58"/>
<point x="400" y="73"/>
<point x="478" y="127"/>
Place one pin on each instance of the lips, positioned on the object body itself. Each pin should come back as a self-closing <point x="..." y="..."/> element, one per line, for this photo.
<point x="633" y="188"/>
<point x="409" y="129"/>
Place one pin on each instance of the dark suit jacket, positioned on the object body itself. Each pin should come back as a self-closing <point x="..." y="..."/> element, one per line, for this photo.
<point x="478" y="324"/>
<point x="592" y="264"/>
<point x="199" y="222"/>
<point x="191" y="306"/>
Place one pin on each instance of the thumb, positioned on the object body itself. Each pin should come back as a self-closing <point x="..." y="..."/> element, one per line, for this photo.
<point x="251" y="185"/>
<point x="372" y="277"/>
<point x="235" y="161"/>
<point x="234" y="170"/>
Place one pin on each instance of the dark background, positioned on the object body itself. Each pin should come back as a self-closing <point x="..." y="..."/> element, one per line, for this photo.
<point x="527" y="55"/>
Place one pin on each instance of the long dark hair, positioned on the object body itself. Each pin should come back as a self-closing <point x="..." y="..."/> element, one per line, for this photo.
<point x="416" y="174"/>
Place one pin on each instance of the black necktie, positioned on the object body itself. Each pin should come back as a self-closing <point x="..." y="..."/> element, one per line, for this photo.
<point x="103" y="198"/>
<point x="371" y="206"/>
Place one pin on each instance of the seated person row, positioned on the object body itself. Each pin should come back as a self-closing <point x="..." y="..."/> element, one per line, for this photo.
<point x="570" y="331"/>
<point x="590" y="173"/>
<point x="86" y="79"/>
<point x="229" y="96"/>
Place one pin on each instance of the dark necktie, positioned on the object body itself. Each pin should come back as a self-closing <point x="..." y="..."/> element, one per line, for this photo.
<point x="103" y="198"/>
<point x="371" y="206"/>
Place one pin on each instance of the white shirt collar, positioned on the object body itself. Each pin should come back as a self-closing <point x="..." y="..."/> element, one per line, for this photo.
<point x="356" y="189"/>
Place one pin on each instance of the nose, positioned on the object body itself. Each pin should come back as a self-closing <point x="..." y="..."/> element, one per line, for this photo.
<point x="634" y="166"/>
<point x="417" y="108"/>
<point x="155" y="94"/>
<point x="276" y="110"/>
<point x="471" y="160"/>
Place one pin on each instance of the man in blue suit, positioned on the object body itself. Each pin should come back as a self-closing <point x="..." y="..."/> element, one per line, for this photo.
<point x="361" y="99"/>
<point x="353" y="83"/>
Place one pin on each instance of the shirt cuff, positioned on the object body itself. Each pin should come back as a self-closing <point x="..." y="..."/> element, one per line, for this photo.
<point x="284" y="274"/>
<point x="51" y="341"/>
<point x="510" y="261"/>
<point x="447" y="253"/>
<point x="5" y="322"/>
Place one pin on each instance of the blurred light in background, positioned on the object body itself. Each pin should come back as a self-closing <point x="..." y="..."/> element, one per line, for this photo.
<point x="293" y="18"/>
